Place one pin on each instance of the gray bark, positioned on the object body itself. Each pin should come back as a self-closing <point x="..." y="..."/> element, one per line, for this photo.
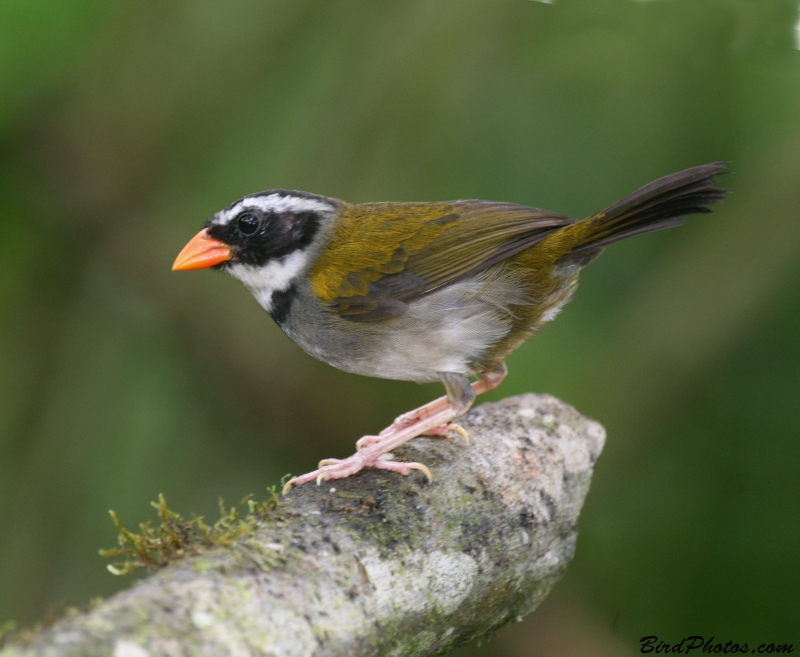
<point x="377" y="564"/>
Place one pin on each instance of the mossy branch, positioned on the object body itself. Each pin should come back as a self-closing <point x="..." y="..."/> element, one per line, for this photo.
<point x="176" y="537"/>
<point x="373" y="565"/>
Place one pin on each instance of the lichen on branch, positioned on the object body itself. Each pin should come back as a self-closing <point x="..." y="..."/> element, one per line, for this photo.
<point x="376" y="564"/>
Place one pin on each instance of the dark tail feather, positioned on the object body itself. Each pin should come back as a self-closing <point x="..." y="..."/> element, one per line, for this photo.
<point x="661" y="204"/>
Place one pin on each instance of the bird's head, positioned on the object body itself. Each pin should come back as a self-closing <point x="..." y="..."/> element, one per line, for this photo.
<point x="266" y="240"/>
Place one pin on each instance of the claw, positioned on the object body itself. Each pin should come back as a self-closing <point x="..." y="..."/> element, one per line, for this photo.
<point x="459" y="430"/>
<point x="423" y="469"/>
<point x="403" y="468"/>
<point x="287" y="487"/>
<point x="444" y="428"/>
<point x="320" y="478"/>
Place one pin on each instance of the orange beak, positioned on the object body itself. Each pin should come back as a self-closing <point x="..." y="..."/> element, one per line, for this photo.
<point x="201" y="252"/>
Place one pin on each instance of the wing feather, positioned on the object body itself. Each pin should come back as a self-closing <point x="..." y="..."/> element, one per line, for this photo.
<point x="385" y="255"/>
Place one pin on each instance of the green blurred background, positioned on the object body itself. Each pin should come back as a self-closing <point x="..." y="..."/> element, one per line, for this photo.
<point x="124" y="125"/>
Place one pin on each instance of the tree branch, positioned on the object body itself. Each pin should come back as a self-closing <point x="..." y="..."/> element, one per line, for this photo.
<point x="373" y="565"/>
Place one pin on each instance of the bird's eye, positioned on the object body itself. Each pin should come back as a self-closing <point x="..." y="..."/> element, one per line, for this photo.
<point x="247" y="224"/>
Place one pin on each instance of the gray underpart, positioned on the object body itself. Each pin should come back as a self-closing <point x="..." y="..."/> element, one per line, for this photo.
<point x="374" y="565"/>
<point x="446" y="331"/>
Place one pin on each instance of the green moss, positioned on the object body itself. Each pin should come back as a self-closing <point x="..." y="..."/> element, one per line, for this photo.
<point x="6" y="630"/>
<point x="13" y="635"/>
<point x="175" y="537"/>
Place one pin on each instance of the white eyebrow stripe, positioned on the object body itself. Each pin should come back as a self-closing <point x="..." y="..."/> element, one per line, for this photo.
<point x="278" y="203"/>
<point x="273" y="203"/>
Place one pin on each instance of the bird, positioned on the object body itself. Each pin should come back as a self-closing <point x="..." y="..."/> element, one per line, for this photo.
<point x="422" y="291"/>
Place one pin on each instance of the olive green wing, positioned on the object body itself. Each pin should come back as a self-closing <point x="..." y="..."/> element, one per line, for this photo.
<point x="384" y="255"/>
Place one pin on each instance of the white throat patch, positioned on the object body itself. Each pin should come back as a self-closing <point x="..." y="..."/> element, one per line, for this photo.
<point x="276" y="276"/>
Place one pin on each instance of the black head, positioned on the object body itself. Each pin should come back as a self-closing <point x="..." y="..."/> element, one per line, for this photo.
<point x="269" y="225"/>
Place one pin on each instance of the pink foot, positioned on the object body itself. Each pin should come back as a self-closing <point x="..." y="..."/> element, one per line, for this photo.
<point x="367" y="441"/>
<point x="442" y="430"/>
<point x="414" y="417"/>
<point x="341" y="468"/>
<point x="435" y="418"/>
<point x="374" y="452"/>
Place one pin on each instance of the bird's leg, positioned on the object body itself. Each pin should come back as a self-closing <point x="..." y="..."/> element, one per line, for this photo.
<point x="375" y="452"/>
<point x="487" y="381"/>
<point x="460" y="396"/>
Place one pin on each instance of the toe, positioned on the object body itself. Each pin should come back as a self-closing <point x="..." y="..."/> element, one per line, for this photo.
<point x="366" y="441"/>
